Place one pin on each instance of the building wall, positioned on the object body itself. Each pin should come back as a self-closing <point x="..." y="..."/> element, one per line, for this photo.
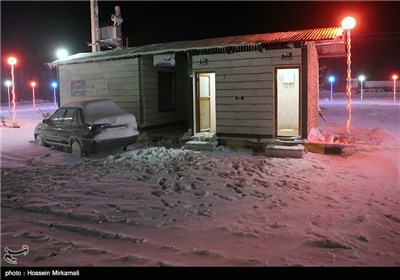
<point x="312" y="87"/>
<point x="116" y="79"/>
<point x="149" y="85"/>
<point x="245" y="89"/>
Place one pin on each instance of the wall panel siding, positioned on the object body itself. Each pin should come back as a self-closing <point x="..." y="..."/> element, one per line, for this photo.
<point x="244" y="88"/>
<point x="151" y="114"/>
<point x="117" y="80"/>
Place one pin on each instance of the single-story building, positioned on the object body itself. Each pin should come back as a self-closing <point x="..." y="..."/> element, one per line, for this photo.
<point x="247" y="86"/>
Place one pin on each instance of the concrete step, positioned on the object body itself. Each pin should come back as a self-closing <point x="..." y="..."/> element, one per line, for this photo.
<point x="200" y="145"/>
<point x="281" y="151"/>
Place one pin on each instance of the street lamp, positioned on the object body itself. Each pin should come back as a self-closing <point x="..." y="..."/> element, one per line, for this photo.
<point x="331" y="79"/>
<point x="54" y="85"/>
<point x="361" y="78"/>
<point x="8" y="84"/>
<point x="33" y="84"/>
<point x="348" y="23"/>
<point x="394" y="77"/>
<point x="12" y="61"/>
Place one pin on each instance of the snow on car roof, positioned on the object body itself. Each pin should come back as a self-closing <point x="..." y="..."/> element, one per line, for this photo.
<point x="95" y="109"/>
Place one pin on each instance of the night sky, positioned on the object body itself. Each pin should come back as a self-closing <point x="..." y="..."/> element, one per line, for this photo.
<point x="33" y="30"/>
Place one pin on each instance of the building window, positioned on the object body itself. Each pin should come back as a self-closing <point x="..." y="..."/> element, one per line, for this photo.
<point x="166" y="91"/>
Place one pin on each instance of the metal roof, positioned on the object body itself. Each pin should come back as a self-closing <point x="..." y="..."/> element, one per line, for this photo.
<point x="330" y="36"/>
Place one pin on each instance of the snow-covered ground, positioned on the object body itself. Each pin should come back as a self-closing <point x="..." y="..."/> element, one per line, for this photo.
<point x="157" y="206"/>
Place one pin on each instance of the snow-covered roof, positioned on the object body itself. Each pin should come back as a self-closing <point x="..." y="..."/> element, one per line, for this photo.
<point x="330" y="36"/>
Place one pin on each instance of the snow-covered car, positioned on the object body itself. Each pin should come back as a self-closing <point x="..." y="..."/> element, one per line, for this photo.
<point x="87" y="126"/>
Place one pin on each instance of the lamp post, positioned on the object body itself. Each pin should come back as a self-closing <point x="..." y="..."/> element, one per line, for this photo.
<point x="348" y="23"/>
<point x="331" y="80"/>
<point x="8" y="84"/>
<point x="394" y="77"/>
<point x="33" y="84"/>
<point x="361" y="78"/>
<point x="54" y="85"/>
<point x="12" y="61"/>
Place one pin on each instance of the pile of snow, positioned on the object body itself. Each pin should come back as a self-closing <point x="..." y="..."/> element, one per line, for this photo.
<point x="153" y="159"/>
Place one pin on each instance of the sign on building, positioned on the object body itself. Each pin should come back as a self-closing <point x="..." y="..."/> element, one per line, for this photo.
<point x="164" y="60"/>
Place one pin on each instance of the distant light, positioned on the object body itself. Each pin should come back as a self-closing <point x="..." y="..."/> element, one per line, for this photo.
<point x="61" y="53"/>
<point x="54" y="84"/>
<point x="394" y="77"/>
<point x="33" y="84"/>
<point x="331" y="79"/>
<point x="7" y="83"/>
<point x="348" y="23"/>
<point x="12" y="60"/>
<point x="361" y="78"/>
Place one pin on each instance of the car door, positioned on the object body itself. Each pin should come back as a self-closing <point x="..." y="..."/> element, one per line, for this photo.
<point x="52" y="127"/>
<point x="66" y="128"/>
<point x="73" y="125"/>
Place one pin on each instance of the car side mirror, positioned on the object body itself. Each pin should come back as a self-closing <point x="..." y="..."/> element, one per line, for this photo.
<point x="46" y="121"/>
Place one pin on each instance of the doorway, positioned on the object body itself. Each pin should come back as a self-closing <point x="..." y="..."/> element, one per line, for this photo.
<point x="287" y="102"/>
<point x="205" y="116"/>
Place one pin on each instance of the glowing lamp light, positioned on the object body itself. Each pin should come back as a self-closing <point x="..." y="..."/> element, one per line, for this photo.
<point x="33" y="84"/>
<point x="331" y="79"/>
<point x="12" y="60"/>
<point x="61" y="53"/>
<point x="7" y="83"/>
<point x="348" y="23"/>
<point x="394" y="77"/>
<point x="54" y="85"/>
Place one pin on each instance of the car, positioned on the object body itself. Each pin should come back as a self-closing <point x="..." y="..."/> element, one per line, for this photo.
<point x="87" y="126"/>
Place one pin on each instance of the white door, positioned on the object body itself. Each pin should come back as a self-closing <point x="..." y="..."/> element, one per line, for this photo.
<point x="205" y="98"/>
<point x="288" y="102"/>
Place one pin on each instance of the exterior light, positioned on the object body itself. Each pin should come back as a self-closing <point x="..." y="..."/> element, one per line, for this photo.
<point x="394" y="77"/>
<point x="348" y="23"/>
<point x="361" y="78"/>
<point x="331" y="80"/>
<point x="33" y="84"/>
<point x="61" y="53"/>
<point x="12" y="61"/>
<point x="54" y="85"/>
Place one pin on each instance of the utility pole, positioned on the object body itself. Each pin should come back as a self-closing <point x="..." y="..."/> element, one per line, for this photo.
<point x="94" y="21"/>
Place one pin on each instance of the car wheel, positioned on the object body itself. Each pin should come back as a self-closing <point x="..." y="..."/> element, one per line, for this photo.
<point x="76" y="149"/>
<point x="39" y="140"/>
